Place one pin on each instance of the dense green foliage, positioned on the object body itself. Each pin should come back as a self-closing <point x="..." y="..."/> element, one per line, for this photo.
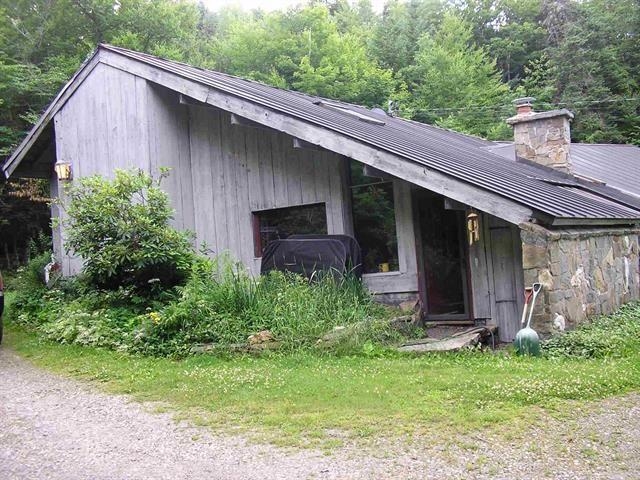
<point x="221" y="305"/>
<point x="455" y="63"/>
<point x="24" y="218"/>
<point x="121" y="230"/>
<point x="452" y="62"/>
<point x="607" y="336"/>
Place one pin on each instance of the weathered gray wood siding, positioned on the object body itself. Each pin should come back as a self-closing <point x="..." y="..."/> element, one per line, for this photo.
<point x="102" y="127"/>
<point x="168" y="146"/>
<point x="496" y="275"/>
<point x="238" y="170"/>
<point x="220" y="173"/>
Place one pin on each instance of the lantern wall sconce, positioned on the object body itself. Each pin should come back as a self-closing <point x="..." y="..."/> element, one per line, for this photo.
<point x="63" y="170"/>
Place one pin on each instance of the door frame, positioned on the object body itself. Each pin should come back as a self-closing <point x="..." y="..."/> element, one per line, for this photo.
<point x="460" y="318"/>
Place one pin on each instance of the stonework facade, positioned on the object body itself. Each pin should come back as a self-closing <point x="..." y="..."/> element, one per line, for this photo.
<point x="583" y="273"/>
<point x="543" y="138"/>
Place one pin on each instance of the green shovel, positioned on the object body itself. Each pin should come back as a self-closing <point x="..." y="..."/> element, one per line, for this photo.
<point x="527" y="341"/>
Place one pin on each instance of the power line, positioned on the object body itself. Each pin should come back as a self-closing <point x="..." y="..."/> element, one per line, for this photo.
<point x="546" y="104"/>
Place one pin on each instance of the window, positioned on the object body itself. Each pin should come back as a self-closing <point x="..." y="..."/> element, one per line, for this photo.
<point x="374" y="219"/>
<point x="279" y="223"/>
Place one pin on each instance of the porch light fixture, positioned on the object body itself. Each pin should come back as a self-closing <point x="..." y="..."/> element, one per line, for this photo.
<point x="473" y="227"/>
<point x="63" y="170"/>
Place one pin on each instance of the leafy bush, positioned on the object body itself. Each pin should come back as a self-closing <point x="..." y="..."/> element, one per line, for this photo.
<point x="121" y="229"/>
<point x="617" y="334"/>
<point x="220" y="304"/>
<point x="28" y="288"/>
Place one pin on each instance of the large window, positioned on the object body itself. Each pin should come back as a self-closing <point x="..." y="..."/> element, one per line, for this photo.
<point x="374" y="219"/>
<point x="279" y="223"/>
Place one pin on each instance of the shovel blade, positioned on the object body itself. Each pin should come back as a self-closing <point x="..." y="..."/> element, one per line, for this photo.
<point x="527" y="342"/>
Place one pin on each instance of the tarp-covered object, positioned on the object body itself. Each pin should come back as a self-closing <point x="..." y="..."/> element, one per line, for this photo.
<point x="354" y="255"/>
<point x="307" y="255"/>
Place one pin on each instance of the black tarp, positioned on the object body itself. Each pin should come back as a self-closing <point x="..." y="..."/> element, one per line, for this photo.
<point x="354" y="254"/>
<point x="309" y="254"/>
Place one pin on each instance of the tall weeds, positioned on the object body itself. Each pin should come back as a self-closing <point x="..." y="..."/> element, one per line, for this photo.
<point x="223" y="304"/>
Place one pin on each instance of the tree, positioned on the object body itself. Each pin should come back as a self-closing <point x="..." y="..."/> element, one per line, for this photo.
<point x="593" y="67"/>
<point x="454" y="83"/>
<point x="303" y="49"/>
<point x="395" y="41"/>
<point x="24" y="216"/>
<point x="511" y="30"/>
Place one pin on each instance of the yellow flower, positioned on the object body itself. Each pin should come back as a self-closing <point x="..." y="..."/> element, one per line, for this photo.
<point x="154" y="316"/>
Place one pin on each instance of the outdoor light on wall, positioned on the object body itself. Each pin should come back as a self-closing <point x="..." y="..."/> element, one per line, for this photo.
<point x="63" y="170"/>
<point x="473" y="227"/>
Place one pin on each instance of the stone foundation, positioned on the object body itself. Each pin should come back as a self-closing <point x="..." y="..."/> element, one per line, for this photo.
<point x="405" y="301"/>
<point x="583" y="273"/>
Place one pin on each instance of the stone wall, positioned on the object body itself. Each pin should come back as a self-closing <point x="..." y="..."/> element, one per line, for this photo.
<point x="583" y="273"/>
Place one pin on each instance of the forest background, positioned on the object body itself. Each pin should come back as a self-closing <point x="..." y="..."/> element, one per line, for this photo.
<point x="453" y="63"/>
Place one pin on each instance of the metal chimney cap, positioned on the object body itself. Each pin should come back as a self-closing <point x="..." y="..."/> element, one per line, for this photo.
<point x="521" y="102"/>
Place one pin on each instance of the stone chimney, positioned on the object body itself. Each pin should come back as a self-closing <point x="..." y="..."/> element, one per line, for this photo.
<point x="542" y="137"/>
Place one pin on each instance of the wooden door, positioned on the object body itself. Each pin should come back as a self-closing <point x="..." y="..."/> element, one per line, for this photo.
<point x="507" y="277"/>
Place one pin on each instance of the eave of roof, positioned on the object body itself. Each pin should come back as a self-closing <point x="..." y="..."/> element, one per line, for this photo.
<point x="436" y="151"/>
<point x="33" y="137"/>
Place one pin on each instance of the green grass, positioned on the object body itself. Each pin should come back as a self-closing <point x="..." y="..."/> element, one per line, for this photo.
<point x="322" y="400"/>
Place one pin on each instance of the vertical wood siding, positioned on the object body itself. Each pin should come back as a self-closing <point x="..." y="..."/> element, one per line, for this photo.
<point x="496" y="275"/>
<point x="221" y="173"/>
<point x="238" y="170"/>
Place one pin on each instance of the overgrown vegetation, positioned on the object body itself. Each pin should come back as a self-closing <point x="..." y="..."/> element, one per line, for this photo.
<point x="615" y="335"/>
<point x="220" y="306"/>
<point x="121" y="229"/>
<point x="143" y="289"/>
<point x="306" y="399"/>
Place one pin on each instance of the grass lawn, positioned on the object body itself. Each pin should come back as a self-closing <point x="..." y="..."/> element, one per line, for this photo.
<point x="308" y="399"/>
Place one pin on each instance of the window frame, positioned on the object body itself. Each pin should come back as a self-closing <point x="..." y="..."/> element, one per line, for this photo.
<point x="256" y="225"/>
<point x="384" y="179"/>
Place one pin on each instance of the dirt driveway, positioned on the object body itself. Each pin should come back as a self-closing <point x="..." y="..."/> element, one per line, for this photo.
<point x="58" y="428"/>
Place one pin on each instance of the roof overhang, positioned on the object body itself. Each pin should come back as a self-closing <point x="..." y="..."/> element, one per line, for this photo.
<point x="328" y="139"/>
<point x="465" y="192"/>
<point x="41" y="136"/>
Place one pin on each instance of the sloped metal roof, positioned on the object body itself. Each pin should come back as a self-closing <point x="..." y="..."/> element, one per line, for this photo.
<point x="617" y="166"/>
<point x="462" y="157"/>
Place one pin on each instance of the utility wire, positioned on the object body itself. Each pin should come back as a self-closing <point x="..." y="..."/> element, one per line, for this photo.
<point x="510" y="106"/>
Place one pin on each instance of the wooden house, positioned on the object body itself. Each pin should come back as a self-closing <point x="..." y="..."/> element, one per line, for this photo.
<point x="440" y="218"/>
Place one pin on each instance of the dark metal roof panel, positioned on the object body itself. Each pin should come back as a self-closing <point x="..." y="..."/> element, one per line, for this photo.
<point x="459" y="156"/>
<point x="617" y="166"/>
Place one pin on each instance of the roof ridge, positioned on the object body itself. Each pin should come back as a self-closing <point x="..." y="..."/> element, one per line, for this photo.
<point x="438" y="152"/>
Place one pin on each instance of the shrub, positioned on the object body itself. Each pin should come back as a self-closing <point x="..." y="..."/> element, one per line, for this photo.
<point x="28" y="285"/>
<point x="617" y="334"/>
<point x="222" y="304"/>
<point x="121" y="229"/>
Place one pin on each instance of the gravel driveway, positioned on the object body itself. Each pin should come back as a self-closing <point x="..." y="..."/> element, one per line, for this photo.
<point x="58" y="428"/>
